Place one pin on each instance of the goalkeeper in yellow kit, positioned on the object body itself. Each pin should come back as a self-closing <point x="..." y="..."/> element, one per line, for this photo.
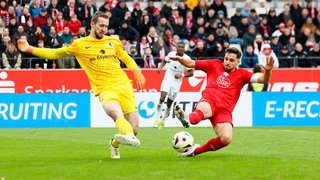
<point x="99" y="56"/>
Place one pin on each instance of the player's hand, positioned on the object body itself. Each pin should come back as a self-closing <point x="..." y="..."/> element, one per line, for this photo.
<point x="24" y="46"/>
<point x="175" y="58"/>
<point x="139" y="79"/>
<point x="269" y="63"/>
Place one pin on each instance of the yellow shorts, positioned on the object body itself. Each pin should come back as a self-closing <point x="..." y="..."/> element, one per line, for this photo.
<point x="123" y="95"/>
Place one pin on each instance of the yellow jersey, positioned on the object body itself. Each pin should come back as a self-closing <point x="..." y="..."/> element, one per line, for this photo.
<point x="99" y="58"/>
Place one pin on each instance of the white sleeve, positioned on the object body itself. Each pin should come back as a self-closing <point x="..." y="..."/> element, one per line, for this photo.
<point x="254" y="78"/>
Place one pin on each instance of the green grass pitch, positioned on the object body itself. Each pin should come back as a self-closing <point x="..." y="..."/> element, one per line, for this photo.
<point x="255" y="153"/>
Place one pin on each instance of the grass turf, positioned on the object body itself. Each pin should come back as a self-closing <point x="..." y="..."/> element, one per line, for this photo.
<point x="255" y="153"/>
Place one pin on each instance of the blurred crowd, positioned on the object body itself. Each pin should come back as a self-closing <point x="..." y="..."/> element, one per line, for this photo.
<point x="148" y="34"/>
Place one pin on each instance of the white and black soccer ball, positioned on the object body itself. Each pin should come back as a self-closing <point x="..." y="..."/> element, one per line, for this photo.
<point x="182" y="141"/>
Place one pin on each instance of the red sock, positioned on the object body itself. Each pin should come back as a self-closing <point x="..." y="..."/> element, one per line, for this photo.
<point x="212" y="145"/>
<point x="196" y="116"/>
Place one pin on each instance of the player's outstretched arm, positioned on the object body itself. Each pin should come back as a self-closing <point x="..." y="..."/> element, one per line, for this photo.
<point x="268" y="68"/>
<point x="46" y="53"/>
<point x="184" y="61"/>
<point x="139" y="78"/>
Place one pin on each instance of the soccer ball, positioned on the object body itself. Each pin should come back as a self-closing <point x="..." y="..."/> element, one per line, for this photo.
<point x="182" y="141"/>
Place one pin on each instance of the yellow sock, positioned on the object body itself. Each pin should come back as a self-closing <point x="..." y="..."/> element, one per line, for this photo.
<point x="115" y="143"/>
<point x="124" y="126"/>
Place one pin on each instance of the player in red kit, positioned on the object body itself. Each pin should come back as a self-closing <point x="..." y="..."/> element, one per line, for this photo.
<point x="224" y="83"/>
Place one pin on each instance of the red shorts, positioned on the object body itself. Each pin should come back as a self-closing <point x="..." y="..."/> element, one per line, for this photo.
<point x="219" y="114"/>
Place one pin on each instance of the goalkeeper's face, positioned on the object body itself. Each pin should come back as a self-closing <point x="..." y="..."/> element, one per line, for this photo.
<point x="100" y="28"/>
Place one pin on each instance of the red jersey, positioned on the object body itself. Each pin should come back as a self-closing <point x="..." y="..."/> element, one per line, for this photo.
<point x="223" y="88"/>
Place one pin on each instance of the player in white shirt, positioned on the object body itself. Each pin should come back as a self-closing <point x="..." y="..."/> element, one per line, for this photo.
<point x="171" y="83"/>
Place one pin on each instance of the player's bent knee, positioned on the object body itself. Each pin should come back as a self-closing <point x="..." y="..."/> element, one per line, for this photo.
<point x="226" y="140"/>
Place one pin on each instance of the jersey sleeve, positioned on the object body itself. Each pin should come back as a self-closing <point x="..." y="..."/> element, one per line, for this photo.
<point x="49" y="53"/>
<point x="124" y="56"/>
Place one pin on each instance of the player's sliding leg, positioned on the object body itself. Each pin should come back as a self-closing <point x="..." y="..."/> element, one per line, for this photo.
<point x="126" y="136"/>
<point x="196" y="116"/>
<point x="182" y="116"/>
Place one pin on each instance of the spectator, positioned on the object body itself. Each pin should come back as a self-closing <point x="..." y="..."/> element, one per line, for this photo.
<point x="309" y="23"/>
<point x="312" y="10"/>
<point x="218" y="53"/>
<point x="135" y="55"/>
<point x="253" y="17"/>
<point x="35" y="8"/>
<point x="257" y="87"/>
<point x="210" y="17"/>
<point x="285" y="36"/>
<point x="53" y="9"/>
<point x="136" y="15"/>
<point x="218" y="5"/>
<point x="191" y="4"/>
<point x="273" y="20"/>
<point x="119" y="12"/>
<point x="191" y="46"/>
<point x="199" y="22"/>
<point x="148" y="60"/>
<point x="220" y="35"/>
<point x="163" y="25"/>
<point x="150" y="7"/>
<point x="265" y="53"/>
<point x="314" y="55"/>
<point x="220" y="17"/>
<point x="199" y="52"/>
<point x="41" y="19"/>
<point x="129" y="32"/>
<point x="113" y="25"/>
<point x="245" y="10"/>
<point x="74" y="24"/>
<point x="30" y="30"/>
<point x="13" y="26"/>
<point x="264" y="29"/>
<point x="152" y="36"/>
<point x="173" y="19"/>
<point x="200" y="9"/>
<point x="275" y="45"/>
<point x="11" y="14"/>
<point x="168" y="37"/>
<point x="243" y="27"/>
<point x="181" y="30"/>
<point x="71" y="9"/>
<point x="142" y="45"/>
<point x="303" y="36"/>
<point x="279" y="31"/>
<point x="285" y="15"/>
<point x="232" y="32"/>
<point x="285" y="60"/>
<point x="182" y="8"/>
<point x="145" y="25"/>
<point x="88" y="9"/>
<point x="60" y="23"/>
<point x="46" y="27"/>
<point x="3" y="9"/>
<point x="128" y="18"/>
<point x="317" y="34"/>
<point x="250" y="36"/>
<point x="210" y="45"/>
<point x="292" y="44"/>
<point x="200" y="34"/>
<point x="300" y="56"/>
<point x="166" y="10"/>
<point x="11" y="57"/>
<point x="295" y="14"/>
<point x="67" y="62"/>
<point x="66" y="36"/>
<point x="249" y="58"/>
<point x="311" y="41"/>
<point x="82" y="32"/>
<point x="25" y="16"/>
<point x="236" y="18"/>
<point x="125" y="43"/>
<point x="155" y="17"/>
<point x="160" y="50"/>
<point x="189" y="22"/>
<point x="16" y="36"/>
<point x="4" y="44"/>
<point x="52" y="40"/>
